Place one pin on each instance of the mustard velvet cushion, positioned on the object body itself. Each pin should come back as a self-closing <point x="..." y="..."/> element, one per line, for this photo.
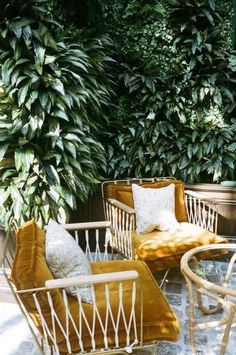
<point x="155" y="208"/>
<point x="123" y="193"/>
<point x="160" y="323"/>
<point x="162" y="250"/>
<point x="30" y="270"/>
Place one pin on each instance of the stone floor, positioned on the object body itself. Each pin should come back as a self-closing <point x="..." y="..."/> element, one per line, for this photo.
<point x="15" y="338"/>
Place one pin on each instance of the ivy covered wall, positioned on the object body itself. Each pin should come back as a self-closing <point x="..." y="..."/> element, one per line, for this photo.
<point x="174" y="112"/>
<point x="97" y="88"/>
<point x="54" y="93"/>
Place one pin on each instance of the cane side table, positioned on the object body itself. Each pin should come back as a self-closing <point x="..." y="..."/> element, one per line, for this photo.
<point x="210" y="273"/>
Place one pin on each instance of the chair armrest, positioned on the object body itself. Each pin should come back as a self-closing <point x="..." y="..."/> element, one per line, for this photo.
<point x="87" y="225"/>
<point x="92" y="279"/>
<point x="202" y="197"/>
<point x="202" y="210"/>
<point x="113" y="303"/>
<point x="122" y="218"/>
<point x="93" y="238"/>
<point x="121" y="206"/>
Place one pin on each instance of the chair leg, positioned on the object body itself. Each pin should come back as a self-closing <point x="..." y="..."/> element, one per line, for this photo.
<point x="203" y="308"/>
<point x="164" y="278"/>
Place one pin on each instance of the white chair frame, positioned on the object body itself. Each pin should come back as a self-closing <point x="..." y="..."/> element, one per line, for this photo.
<point x="201" y="211"/>
<point x="46" y="341"/>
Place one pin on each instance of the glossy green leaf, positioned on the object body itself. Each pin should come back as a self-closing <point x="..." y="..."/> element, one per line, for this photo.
<point x="52" y="173"/>
<point x="57" y="85"/>
<point x="19" y="158"/>
<point x="3" y="149"/>
<point x="22" y="94"/>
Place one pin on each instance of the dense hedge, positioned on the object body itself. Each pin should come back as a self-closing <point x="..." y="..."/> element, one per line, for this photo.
<point x="54" y="90"/>
<point x="149" y="82"/>
<point x="175" y="104"/>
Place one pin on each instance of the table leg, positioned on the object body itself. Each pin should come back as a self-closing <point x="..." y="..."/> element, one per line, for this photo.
<point x="204" y="309"/>
<point x="225" y="338"/>
<point x="229" y="271"/>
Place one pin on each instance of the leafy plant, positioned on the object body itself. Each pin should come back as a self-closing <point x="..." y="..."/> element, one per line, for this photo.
<point x="154" y="141"/>
<point x="52" y="101"/>
<point x="180" y="120"/>
<point x="232" y="62"/>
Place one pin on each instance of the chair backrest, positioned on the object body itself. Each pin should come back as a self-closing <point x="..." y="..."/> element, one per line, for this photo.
<point x="121" y="190"/>
<point x="129" y="181"/>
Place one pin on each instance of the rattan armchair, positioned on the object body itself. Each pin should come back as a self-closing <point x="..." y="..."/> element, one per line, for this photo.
<point x="128" y="311"/>
<point x="196" y="213"/>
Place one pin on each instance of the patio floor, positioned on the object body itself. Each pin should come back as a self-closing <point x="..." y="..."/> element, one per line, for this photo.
<point x="15" y="338"/>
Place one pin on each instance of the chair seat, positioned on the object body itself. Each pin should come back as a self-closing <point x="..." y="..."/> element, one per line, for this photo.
<point x="160" y="323"/>
<point x="162" y="250"/>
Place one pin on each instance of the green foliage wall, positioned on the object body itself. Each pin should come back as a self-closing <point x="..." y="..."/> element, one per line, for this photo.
<point x="53" y="93"/>
<point x="175" y="109"/>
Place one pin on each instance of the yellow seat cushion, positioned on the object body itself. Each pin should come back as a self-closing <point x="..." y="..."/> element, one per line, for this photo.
<point x="160" y="323"/>
<point x="123" y="193"/>
<point x="30" y="270"/>
<point x="162" y="250"/>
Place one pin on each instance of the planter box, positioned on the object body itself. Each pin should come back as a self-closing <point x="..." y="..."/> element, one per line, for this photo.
<point x="226" y="198"/>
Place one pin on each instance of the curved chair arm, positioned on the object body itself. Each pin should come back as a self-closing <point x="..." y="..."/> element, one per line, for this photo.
<point x="201" y="197"/>
<point x="87" y="225"/>
<point x="121" y="206"/>
<point x="92" y="279"/>
<point x="93" y="237"/>
<point x="202" y="210"/>
<point x="122" y="218"/>
<point x="98" y="233"/>
<point x="80" y="321"/>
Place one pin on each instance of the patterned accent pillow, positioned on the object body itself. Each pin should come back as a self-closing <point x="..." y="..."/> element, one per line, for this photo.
<point x="155" y="208"/>
<point x="65" y="258"/>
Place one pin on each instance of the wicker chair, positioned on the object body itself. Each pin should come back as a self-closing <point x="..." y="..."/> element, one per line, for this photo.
<point x="129" y="311"/>
<point x="160" y="250"/>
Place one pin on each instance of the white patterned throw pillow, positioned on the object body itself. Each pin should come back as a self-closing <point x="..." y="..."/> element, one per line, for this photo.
<point x="65" y="258"/>
<point x="155" y="208"/>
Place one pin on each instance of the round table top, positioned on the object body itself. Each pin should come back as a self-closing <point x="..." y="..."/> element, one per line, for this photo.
<point x="212" y="266"/>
